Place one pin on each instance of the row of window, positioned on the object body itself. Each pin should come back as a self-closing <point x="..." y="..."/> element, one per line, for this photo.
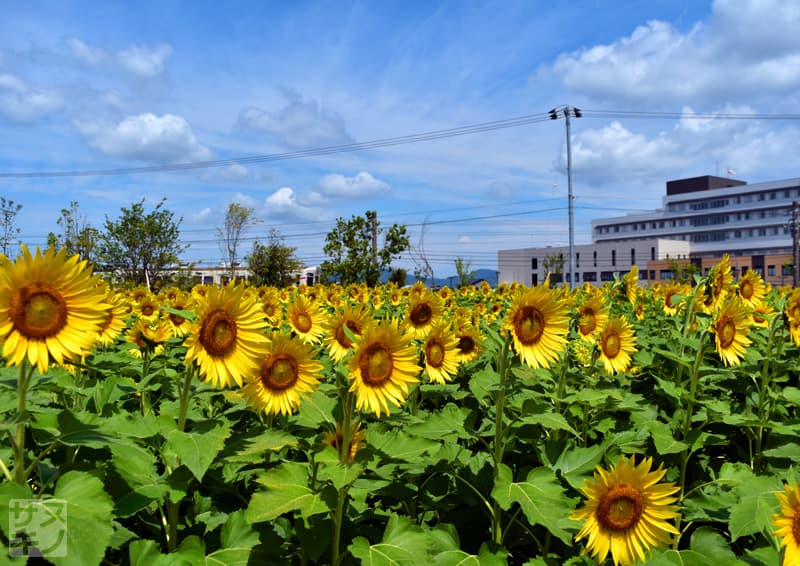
<point x="645" y="274"/>
<point x="704" y="204"/>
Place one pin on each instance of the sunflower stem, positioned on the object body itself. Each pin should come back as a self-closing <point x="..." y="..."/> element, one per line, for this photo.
<point x="5" y="471"/>
<point x="144" y="400"/>
<point x="338" y="518"/>
<point x="687" y="425"/>
<point x="185" y="394"/>
<point x="25" y="373"/>
<point x="501" y="362"/>
<point x="763" y="393"/>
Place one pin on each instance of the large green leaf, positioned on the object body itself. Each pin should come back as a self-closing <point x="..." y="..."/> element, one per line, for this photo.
<point x="197" y="449"/>
<point x="663" y="439"/>
<point x="447" y="424"/>
<point x="403" y="543"/>
<point x="89" y="518"/>
<point x="755" y="508"/>
<point x="400" y="446"/>
<point x="237" y="541"/>
<point x="286" y="490"/>
<point x="137" y="466"/>
<point x="575" y="463"/>
<point x="541" y="498"/>
<point x="549" y="421"/>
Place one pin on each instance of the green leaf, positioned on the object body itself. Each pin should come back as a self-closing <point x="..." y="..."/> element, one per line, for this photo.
<point x="576" y="463"/>
<point x="541" y="497"/>
<point x="238" y="539"/>
<point x="74" y="432"/>
<point x="399" y="445"/>
<point x="713" y="546"/>
<point x="287" y="490"/>
<point x="137" y="467"/>
<point x="9" y="491"/>
<point x="754" y="510"/>
<point x="89" y="518"/>
<point x="403" y="543"/>
<point x="447" y="424"/>
<point x="549" y="421"/>
<point x="197" y="449"/>
<point x="663" y="439"/>
<point x="253" y="448"/>
<point x="316" y="409"/>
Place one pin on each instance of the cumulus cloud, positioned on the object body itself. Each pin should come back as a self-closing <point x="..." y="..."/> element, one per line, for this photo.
<point x="22" y="102"/>
<point x="361" y="185"/>
<point x="86" y="53"/>
<point x="142" y="61"/>
<point x="746" y="48"/>
<point x="283" y="204"/>
<point x="300" y="123"/>
<point x="147" y="137"/>
<point x="202" y="216"/>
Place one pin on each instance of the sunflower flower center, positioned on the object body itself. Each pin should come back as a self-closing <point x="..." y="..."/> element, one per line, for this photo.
<point x="726" y="329"/>
<point x="376" y="365"/>
<point x="39" y="311"/>
<point x="176" y="320"/>
<point x="529" y="325"/>
<point x="466" y="344"/>
<point x="421" y="314"/>
<point x="341" y="336"/>
<point x="746" y="290"/>
<point x="620" y="508"/>
<point x="611" y="345"/>
<point x="588" y="322"/>
<point x="279" y="372"/>
<point x="796" y="527"/>
<point x="302" y="322"/>
<point x="148" y="310"/>
<point x="218" y="333"/>
<point x="670" y="299"/>
<point x="434" y="353"/>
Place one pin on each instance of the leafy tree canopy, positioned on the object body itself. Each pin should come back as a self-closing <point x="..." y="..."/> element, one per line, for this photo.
<point x="273" y="263"/>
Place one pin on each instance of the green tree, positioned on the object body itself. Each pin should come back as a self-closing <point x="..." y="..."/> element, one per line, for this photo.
<point x="464" y="271"/>
<point x="273" y="263"/>
<point x="399" y="277"/>
<point x="237" y="219"/>
<point x="8" y="226"/>
<point x="139" y="246"/>
<point x="353" y="251"/>
<point x="683" y="271"/>
<point x="77" y="234"/>
<point x="554" y="266"/>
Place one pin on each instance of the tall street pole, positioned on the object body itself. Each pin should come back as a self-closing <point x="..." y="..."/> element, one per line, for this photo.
<point x="570" y="213"/>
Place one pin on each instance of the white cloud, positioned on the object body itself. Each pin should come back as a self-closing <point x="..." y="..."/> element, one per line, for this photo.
<point x="298" y="124"/>
<point x="464" y="239"/>
<point x="143" y="61"/>
<point x="147" y="137"/>
<point x="746" y="49"/>
<point x="361" y="185"/>
<point x="202" y="216"/>
<point x="233" y="172"/>
<point x="22" y="102"/>
<point x="86" y="53"/>
<point x="244" y="200"/>
<point x="283" y="204"/>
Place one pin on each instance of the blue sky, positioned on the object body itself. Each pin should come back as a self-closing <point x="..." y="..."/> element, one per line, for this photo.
<point x="110" y="85"/>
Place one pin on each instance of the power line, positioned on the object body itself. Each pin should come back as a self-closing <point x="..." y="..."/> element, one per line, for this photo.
<point x="392" y="141"/>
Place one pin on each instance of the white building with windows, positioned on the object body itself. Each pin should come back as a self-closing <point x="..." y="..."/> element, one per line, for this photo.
<point x="701" y="219"/>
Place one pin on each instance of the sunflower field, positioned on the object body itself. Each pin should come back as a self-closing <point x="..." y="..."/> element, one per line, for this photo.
<point x="397" y="426"/>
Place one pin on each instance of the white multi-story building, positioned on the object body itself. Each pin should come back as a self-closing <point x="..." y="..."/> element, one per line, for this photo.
<point x="701" y="219"/>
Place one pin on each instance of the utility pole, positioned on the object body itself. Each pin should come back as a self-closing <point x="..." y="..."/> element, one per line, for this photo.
<point x="795" y="246"/>
<point x="568" y="111"/>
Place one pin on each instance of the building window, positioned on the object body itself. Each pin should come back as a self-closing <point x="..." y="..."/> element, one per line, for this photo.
<point x="535" y="279"/>
<point x="590" y="276"/>
<point x="577" y="259"/>
<point x="535" y="263"/>
<point x="606" y="276"/>
<point x="786" y="270"/>
<point x="594" y="259"/>
<point x="652" y="274"/>
<point x="771" y="270"/>
<point x="633" y="257"/>
<point x="652" y="253"/>
<point x="643" y="275"/>
<point x="667" y="274"/>
<point x="613" y="258"/>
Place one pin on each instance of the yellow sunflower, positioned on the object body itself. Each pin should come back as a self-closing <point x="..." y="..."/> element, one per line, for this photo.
<point x="423" y="311"/>
<point x="148" y="337"/>
<point x="627" y="512"/>
<point x="762" y="313"/>
<point x="51" y="306"/>
<point x="382" y="367"/>
<point x="787" y="524"/>
<point x="720" y="281"/>
<point x="355" y="318"/>
<point x="441" y="354"/>
<point x="178" y="325"/>
<point x="469" y="342"/>
<point x="147" y="308"/>
<point x="288" y="370"/>
<point x="616" y="343"/>
<point x="116" y="317"/>
<point x="671" y="294"/>
<point x="227" y="339"/>
<point x="306" y="318"/>
<point x="730" y="328"/>
<point x="538" y="324"/>
<point x="752" y="289"/>
<point x="592" y="315"/>
<point x="357" y="440"/>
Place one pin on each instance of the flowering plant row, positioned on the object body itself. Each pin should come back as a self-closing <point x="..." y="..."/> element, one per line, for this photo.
<point x="347" y="425"/>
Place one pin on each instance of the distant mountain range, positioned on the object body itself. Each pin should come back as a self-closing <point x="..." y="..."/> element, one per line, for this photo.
<point x="489" y="275"/>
